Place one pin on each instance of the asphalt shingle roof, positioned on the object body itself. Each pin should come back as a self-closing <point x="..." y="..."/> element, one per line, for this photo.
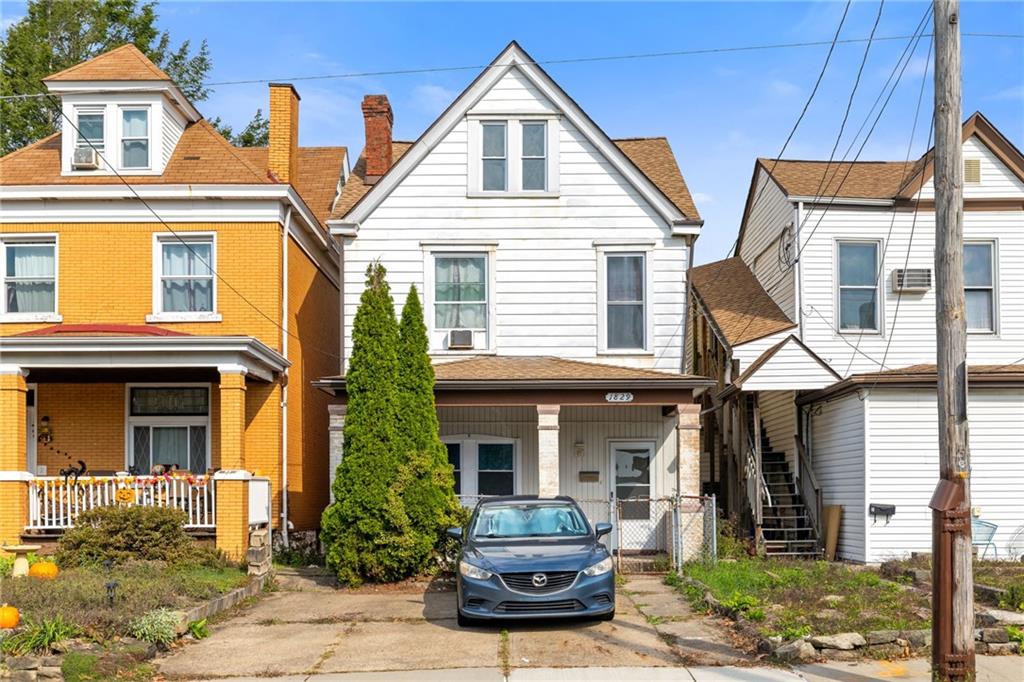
<point x="737" y="302"/>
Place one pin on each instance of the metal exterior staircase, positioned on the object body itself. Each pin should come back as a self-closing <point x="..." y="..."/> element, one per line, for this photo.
<point x="786" y="525"/>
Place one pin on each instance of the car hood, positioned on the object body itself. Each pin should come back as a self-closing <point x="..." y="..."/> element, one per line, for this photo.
<point x="536" y="556"/>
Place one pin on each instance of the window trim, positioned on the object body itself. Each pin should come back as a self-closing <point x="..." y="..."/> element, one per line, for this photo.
<point x="993" y="245"/>
<point x="158" y="314"/>
<point x="130" y="422"/>
<point x="837" y="301"/>
<point x="513" y="154"/>
<point x="440" y="248"/>
<point x="91" y="110"/>
<point x="603" y="251"/>
<point x="543" y="157"/>
<point x="505" y="126"/>
<point x="38" y="238"/>
<point x="121" y="138"/>
<point x="470" y="469"/>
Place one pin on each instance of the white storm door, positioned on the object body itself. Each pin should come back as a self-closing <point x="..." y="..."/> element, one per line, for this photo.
<point x="632" y="462"/>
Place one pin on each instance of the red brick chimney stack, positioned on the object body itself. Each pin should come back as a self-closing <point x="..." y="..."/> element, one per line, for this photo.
<point x="378" y="119"/>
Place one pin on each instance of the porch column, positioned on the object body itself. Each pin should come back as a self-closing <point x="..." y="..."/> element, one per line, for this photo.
<point x="336" y="442"/>
<point x="547" y="450"/>
<point x="232" y="482"/>
<point x="13" y="454"/>
<point x="688" y="479"/>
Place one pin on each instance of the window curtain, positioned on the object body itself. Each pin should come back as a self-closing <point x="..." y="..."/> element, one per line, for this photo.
<point x="460" y="293"/>
<point x="188" y="281"/>
<point x="33" y="291"/>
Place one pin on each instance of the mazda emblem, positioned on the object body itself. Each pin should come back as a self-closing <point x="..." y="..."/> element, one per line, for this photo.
<point x="539" y="580"/>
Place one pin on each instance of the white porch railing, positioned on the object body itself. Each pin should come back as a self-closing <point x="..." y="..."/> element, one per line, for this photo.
<point x="54" y="504"/>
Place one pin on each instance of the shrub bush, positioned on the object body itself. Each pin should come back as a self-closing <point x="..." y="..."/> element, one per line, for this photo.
<point x="159" y="626"/>
<point x="132" y="533"/>
<point x="39" y="637"/>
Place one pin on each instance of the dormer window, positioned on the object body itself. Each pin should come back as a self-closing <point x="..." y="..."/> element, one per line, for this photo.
<point x="135" y="138"/>
<point x="90" y="129"/>
<point x="512" y="156"/>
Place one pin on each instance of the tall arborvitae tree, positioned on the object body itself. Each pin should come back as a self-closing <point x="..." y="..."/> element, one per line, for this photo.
<point x="366" y="532"/>
<point x="429" y="493"/>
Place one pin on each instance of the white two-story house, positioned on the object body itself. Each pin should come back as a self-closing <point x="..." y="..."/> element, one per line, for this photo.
<point x="821" y="334"/>
<point x="552" y="262"/>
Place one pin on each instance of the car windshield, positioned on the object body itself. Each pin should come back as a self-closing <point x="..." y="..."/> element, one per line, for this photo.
<point x="529" y="521"/>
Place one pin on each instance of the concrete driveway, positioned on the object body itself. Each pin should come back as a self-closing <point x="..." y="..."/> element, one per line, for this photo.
<point x="309" y="627"/>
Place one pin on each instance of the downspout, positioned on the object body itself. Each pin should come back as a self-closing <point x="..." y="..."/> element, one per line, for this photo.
<point x="797" y="285"/>
<point x="284" y="386"/>
<point x="686" y="307"/>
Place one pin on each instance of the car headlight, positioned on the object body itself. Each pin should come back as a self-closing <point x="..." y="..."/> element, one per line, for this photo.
<point x="600" y="568"/>
<point x="475" y="572"/>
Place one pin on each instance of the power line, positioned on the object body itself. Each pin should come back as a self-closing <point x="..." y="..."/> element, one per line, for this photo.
<point x="187" y="245"/>
<point x="542" y="62"/>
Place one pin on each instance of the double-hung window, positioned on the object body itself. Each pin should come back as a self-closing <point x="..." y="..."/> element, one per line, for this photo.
<point x="626" y="301"/>
<point x="535" y="162"/>
<point x="858" y="286"/>
<point x="495" y="156"/>
<point x="29" y="271"/>
<point x="135" y="138"/>
<point x="185" y="283"/>
<point x="460" y="291"/>
<point x="90" y="129"/>
<point x="482" y="465"/>
<point x="980" y="286"/>
<point x="169" y="426"/>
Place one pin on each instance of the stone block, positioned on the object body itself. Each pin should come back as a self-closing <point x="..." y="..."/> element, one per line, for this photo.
<point x="881" y="636"/>
<point x="839" y="654"/>
<point x="22" y="675"/>
<point x="22" y="662"/>
<point x="890" y="650"/>
<point x="998" y="648"/>
<point x="49" y="673"/>
<point x="800" y="650"/>
<point x="980" y="648"/>
<point x="995" y="635"/>
<point x="844" y="641"/>
<point x="256" y="555"/>
<point x="918" y="639"/>
<point x="259" y="538"/>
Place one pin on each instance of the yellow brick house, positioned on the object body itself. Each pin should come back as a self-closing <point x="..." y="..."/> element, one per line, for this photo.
<point x="167" y="299"/>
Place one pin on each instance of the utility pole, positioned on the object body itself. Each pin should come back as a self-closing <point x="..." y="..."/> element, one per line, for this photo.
<point x="952" y="579"/>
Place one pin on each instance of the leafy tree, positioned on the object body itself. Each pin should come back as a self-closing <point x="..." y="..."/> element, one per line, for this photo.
<point x="57" y="34"/>
<point x="366" y="532"/>
<point x="429" y="494"/>
<point x="255" y="134"/>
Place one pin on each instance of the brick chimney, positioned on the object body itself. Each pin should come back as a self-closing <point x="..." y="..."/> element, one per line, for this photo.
<point x="378" y="119"/>
<point x="283" y="154"/>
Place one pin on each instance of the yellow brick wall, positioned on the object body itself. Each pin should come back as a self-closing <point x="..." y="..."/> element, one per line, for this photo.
<point x="312" y="316"/>
<point x="105" y="276"/>
<point x="87" y="421"/>
<point x="263" y="437"/>
<point x="233" y="518"/>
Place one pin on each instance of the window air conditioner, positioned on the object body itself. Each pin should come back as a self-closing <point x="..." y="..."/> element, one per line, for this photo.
<point x="460" y="339"/>
<point x="85" y="158"/>
<point x="914" y="279"/>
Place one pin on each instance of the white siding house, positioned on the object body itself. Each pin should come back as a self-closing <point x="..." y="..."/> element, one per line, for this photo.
<point x="551" y="262"/>
<point x="825" y="245"/>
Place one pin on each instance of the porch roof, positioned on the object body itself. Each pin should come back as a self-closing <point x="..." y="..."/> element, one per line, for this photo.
<point x="787" y="366"/>
<point x="499" y="380"/>
<point x="917" y="376"/>
<point x="99" y="350"/>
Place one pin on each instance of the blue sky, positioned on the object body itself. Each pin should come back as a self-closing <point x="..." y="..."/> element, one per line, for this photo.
<point x="719" y="111"/>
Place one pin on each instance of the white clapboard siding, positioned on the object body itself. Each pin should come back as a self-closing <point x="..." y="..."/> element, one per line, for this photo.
<point x="545" y="265"/>
<point x="997" y="181"/>
<point x="904" y="465"/>
<point x="913" y="339"/>
<point x="789" y="368"/>
<point x="778" y="415"/>
<point x="747" y="353"/>
<point x="172" y="128"/>
<point x="837" y="455"/>
<point x="771" y="215"/>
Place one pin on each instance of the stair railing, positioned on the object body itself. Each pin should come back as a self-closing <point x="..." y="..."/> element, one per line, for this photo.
<point x="757" y="487"/>
<point x="809" y="489"/>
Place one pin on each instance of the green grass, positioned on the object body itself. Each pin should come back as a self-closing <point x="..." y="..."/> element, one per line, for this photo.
<point x="80" y="667"/>
<point x="793" y="598"/>
<point x="1005" y="575"/>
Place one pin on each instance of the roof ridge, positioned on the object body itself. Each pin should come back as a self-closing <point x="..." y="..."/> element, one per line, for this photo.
<point x="595" y="363"/>
<point x="834" y="161"/>
<point x="642" y="137"/>
<point x="128" y="48"/>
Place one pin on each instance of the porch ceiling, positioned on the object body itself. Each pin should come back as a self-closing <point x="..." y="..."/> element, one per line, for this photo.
<point x="105" y="352"/>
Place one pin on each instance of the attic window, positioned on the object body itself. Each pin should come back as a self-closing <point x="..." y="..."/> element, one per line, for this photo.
<point x="972" y="171"/>
<point x="90" y="130"/>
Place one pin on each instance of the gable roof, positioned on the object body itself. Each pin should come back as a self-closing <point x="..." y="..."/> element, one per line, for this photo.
<point x="513" y="56"/>
<point x="739" y="306"/>
<point x="125" y="63"/>
<point x="652" y="155"/>
<point x="319" y="174"/>
<point x="811" y="372"/>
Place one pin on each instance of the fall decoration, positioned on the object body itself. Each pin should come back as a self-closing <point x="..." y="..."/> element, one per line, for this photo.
<point x="9" y="617"/>
<point x="44" y="570"/>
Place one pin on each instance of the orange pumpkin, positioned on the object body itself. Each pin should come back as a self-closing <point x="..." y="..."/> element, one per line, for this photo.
<point x="9" y="617"/>
<point x="45" y="570"/>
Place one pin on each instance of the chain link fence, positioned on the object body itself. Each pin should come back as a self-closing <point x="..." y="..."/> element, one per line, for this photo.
<point x="653" y="535"/>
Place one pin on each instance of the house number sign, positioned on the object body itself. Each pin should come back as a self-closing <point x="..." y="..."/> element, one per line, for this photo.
<point x="618" y="397"/>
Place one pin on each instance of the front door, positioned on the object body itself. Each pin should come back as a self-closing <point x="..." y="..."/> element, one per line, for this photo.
<point x="632" y="461"/>
<point x="30" y="429"/>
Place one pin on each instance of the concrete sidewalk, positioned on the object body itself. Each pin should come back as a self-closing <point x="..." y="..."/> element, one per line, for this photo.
<point x="990" y="669"/>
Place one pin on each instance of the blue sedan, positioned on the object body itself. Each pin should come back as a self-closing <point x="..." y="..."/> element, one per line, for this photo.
<point x="531" y="557"/>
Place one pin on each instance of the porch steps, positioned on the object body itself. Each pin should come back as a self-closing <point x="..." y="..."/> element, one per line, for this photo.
<point x="785" y="523"/>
